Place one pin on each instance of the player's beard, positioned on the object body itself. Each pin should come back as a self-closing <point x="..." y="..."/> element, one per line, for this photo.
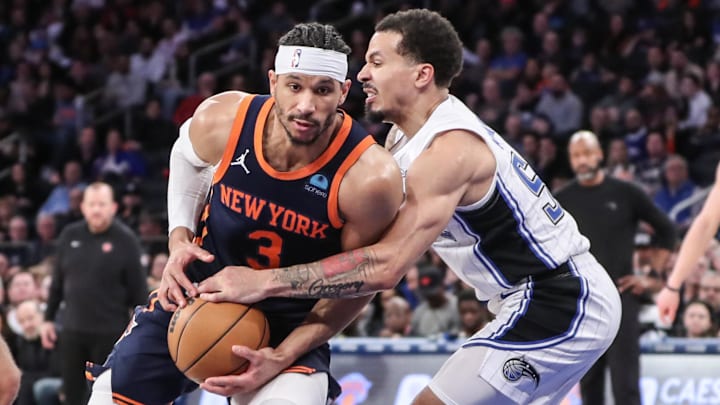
<point x="320" y="128"/>
<point x="374" y="116"/>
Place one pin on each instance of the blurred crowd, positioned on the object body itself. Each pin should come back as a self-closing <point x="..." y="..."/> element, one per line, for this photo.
<point x="95" y="90"/>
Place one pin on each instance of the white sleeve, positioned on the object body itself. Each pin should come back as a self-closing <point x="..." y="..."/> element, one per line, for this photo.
<point x="188" y="184"/>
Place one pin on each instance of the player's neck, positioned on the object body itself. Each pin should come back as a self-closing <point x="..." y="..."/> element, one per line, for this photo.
<point x="284" y="155"/>
<point x="419" y="111"/>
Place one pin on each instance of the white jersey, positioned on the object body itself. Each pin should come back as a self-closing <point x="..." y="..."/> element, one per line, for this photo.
<point x="515" y="231"/>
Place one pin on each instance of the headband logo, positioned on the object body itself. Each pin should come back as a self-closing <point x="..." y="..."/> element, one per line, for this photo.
<point x="295" y="61"/>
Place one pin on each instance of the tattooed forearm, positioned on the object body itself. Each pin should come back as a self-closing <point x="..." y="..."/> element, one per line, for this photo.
<point x="340" y="276"/>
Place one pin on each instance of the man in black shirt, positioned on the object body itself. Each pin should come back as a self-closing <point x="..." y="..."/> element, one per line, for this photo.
<point x="608" y="212"/>
<point x="99" y="277"/>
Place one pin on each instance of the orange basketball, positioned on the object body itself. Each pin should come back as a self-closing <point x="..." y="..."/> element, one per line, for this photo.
<point x="201" y="335"/>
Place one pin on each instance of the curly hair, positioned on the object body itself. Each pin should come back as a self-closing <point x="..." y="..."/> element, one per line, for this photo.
<point x="427" y="37"/>
<point x="315" y="35"/>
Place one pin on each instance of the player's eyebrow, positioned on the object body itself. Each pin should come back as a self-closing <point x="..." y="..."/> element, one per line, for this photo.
<point x="373" y="54"/>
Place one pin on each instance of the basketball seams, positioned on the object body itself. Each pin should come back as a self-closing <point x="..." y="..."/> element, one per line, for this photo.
<point x="180" y="332"/>
<point x="219" y="338"/>
<point x="261" y="343"/>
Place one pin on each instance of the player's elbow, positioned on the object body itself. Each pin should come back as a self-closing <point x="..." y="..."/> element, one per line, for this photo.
<point x="11" y="383"/>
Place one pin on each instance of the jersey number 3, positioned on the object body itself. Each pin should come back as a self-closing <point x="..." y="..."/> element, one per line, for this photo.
<point x="270" y="247"/>
<point x="552" y="208"/>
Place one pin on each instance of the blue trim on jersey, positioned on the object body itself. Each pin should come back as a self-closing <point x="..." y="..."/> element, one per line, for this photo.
<point x="524" y="232"/>
<point x="518" y="313"/>
<point x="486" y="261"/>
<point x="544" y="343"/>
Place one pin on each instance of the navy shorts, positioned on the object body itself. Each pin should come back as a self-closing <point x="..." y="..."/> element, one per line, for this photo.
<point x="143" y="371"/>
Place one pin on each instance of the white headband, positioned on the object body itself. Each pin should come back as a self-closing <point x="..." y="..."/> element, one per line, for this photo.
<point x="311" y="61"/>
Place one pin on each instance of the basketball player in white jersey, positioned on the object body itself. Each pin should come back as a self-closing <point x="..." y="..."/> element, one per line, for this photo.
<point x="477" y="202"/>
<point x="703" y="228"/>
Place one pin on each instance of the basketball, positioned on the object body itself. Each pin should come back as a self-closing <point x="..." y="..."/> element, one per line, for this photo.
<point x="201" y="336"/>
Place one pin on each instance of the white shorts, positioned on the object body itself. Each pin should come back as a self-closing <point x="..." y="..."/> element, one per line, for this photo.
<point x="288" y="389"/>
<point x="545" y="337"/>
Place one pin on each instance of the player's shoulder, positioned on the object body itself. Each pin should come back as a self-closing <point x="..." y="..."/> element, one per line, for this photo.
<point x="217" y="110"/>
<point x="375" y="169"/>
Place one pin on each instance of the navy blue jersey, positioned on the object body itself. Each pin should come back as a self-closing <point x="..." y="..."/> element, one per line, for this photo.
<point x="262" y="218"/>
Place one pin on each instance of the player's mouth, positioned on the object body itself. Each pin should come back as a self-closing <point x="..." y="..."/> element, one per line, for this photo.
<point x="302" y="125"/>
<point x="371" y="94"/>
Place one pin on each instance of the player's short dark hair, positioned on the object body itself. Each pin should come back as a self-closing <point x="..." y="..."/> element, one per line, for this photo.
<point x="427" y="37"/>
<point x="315" y="35"/>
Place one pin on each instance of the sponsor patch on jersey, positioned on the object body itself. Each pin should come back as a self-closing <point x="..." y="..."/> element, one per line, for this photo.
<point x="318" y="185"/>
<point x="517" y="368"/>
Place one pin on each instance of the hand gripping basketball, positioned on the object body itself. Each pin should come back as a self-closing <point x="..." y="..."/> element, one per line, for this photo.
<point x="201" y="336"/>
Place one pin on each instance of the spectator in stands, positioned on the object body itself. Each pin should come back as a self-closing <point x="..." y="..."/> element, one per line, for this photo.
<point x="396" y="318"/>
<point x="437" y="313"/>
<point x="553" y="169"/>
<point x="649" y="170"/>
<point x="635" y="135"/>
<point x="493" y="108"/>
<point x="712" y="81"/>
<point x="621" y="100"/>
<point x="58" y="202"/>
<point x="34" y="361"/>
<point x="157" y="264"/>
<point x="123" y="88"/>
<point x="618" y="163"/>
<point x="147" y="63"/>
<point x="710" y="290"/>
<point x="561" y="106"/>
<point x="155" y="133"/>
<point x="508" y="66"/>
<point x="17" y="248"/>
<point x="118" y="165"/>
<point x="679" y="67"/>
<point x="699" y="320"/>
<point x="206" y="87"/>
<point x="42" y="245"/>
<point x="697" y="100"/>
<point x="677" y="188"/>
<point x="473" y="313"/>
<point x="21" y="287"/>
<point x="85" y="151"/>
<point x="28" y="192"/>
<point x="73" y="212"/>
<point x="513" y="130"/>
<point x="4" y="268"/>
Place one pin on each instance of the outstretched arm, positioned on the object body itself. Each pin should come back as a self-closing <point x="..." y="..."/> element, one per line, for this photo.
<point x="436" y="184"/>
<point x="368" y="204"/>
<point x="694" y="244"/>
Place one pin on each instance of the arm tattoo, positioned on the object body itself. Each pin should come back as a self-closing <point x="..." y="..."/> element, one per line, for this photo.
<point x="340" y="276"/>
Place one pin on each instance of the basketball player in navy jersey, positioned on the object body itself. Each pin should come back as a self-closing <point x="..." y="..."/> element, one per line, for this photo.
<point x="697" y="239"/>
<point x="479" y="204"/>
<point x="291" y="178"/>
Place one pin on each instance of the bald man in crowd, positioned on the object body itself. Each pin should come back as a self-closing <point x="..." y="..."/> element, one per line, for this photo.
<point x="608" y="212"/>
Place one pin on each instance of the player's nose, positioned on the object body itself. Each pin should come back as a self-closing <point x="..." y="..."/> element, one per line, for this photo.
<point x="363" y="75"/>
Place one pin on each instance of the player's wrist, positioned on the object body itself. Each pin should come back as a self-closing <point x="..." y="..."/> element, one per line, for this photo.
<point x="672" y="288"/>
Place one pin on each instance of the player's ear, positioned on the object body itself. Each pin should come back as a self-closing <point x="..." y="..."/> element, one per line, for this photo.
<point x="345" y="89"/>
<point x="424" y="75"/>
<point x="272" y="79"/>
